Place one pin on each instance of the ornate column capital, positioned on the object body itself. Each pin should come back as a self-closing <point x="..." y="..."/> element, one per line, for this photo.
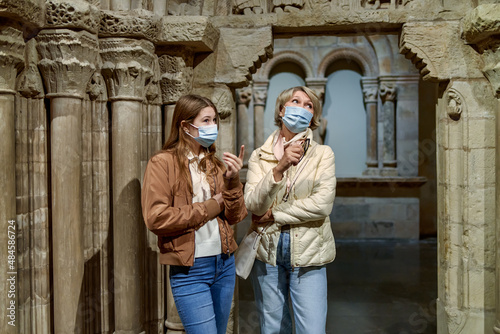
<point x="127" y="67"/>
<point x="481" y="28"/>
<point x="67" y="61"/>
<point x="244" y="96"/>
<point x="318" y="86"/>
<point x="369" y="86"/>
<point x="260" y="93"/>
<point x="72" y="14"/>
<point x="176" y="68"/>
<point x="387" y="92"/>
<point x="12" y="60"/>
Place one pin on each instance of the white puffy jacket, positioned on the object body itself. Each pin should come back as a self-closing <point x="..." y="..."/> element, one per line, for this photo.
<point x="307" y="209"/>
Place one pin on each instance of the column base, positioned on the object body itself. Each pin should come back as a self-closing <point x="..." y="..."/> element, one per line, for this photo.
<point x="389" y="171"/>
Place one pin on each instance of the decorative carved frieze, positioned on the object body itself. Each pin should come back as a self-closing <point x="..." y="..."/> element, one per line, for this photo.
<point x="247" y="7"/>
<point x="11" y="57"/>
<point x="176" y="75"/>
<point x="67" y="60"/>
<point x="287" y="5"/>
<point x="128" y="25"/>
<point x="183" y="7"/>
<point x="72" y="14"/>
<point x="481" y="28"/>
<point x="384" y="4"/>
<point x="127" y="66"/>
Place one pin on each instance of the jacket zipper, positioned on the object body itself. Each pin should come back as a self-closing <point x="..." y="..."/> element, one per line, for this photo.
<point x="223" y="221"/>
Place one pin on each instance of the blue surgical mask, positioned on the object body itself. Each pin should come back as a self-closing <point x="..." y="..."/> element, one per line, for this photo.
<point x="297" y="119"/>
<point x="207" y="134"/>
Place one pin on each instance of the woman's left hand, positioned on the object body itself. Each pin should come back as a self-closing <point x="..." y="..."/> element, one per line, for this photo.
<point x="234" y="163"/>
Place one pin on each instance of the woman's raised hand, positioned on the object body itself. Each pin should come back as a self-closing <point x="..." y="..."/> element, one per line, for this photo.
<point x="234" y="163"/>
<point x="291" y="157"/>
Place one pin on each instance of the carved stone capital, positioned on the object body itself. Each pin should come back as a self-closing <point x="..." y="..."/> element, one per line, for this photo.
<point x="438" y="52"/>
<point x="11" y="59"/>
<point x="71" y="14"/>
<point x="240" y="53"/>
<point x="481" y="28"/>
<point x="387" y="92"/>
<point x="176" y="70"/>
<point x="127" y="66"/>
<point x="370" y="89"/>
<point x="129" y="24"/>
<point x="153" y="91"/>
<point x="244" y="96"/>
<point x="67" y="60"/>
<point x="318" y="86"/>
<point x="259" y="95"/>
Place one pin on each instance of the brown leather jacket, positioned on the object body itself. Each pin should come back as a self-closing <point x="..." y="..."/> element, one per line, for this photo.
<point x="169" y="213"/>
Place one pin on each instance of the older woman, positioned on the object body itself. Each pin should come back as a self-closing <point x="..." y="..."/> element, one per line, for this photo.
<point x="290" y="191"/>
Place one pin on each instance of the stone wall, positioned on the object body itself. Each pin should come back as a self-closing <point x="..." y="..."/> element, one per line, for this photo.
<point x="87" y="90"/>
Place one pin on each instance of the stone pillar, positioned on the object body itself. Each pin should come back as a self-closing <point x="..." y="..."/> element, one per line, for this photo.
<point x="318" y="86"/>
<point x="127" y="68"/>
<point x="11" y="62"/>
<point x="388" y="96"/>
<point x="67" y="61"/>
<point x="243" y="98"/>
<point x="259" y="105"/>
<point x="497" y="282"/>
<point x="370" y="94"/>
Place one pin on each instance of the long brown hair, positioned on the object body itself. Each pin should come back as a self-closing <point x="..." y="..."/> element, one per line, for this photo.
<point x="186" y="109"/>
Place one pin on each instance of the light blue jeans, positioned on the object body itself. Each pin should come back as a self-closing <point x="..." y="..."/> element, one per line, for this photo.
<point x="203" y="293"/>
<point x="283" y="290"/>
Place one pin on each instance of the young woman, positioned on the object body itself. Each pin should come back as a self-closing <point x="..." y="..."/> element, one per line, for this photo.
<point x="190" y="200"/>
<point x="290" y="191"/>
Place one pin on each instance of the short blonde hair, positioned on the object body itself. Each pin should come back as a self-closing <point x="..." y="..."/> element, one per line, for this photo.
<point x="287" y="94"/>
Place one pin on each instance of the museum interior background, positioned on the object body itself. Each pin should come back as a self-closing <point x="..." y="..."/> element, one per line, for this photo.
<point x="410" y="107"/>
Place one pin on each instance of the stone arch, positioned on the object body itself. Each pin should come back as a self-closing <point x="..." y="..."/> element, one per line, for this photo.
<point x="287" y="56"/>
<point x="369" y="67"/>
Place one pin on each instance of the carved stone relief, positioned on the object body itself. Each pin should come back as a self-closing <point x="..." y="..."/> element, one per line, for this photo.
<point x="72" y="14"/>
<point x="454" y="104"/>
<point x="176" y="76"/>
<point x="185" y="7"/>
<point x="114" y="24"/>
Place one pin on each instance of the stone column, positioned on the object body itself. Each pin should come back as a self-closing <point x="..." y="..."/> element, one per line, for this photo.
<point x="388" y="96"/>
<point x="318" y="86"/>
<point x="259" y="105"/>
<point x="127" y="68"/>
<point x="370" y="94"/>
<point x="243" y="98"/>
<point x="11" y="62"/>
<point x="67" y="61"/>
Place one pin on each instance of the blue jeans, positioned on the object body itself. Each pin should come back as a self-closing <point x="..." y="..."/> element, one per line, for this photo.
<point x="203" y="293"/>
<point x="275" y="288"/>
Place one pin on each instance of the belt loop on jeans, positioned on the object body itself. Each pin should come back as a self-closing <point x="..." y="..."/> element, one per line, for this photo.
<point x="285" y="229"/>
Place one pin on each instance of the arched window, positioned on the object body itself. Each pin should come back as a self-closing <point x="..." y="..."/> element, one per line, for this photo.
<point x="283" y="76"/>
<point x="345" y="112"/>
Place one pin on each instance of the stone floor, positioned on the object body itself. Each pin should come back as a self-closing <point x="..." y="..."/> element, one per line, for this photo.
<point x="374" y="287"/>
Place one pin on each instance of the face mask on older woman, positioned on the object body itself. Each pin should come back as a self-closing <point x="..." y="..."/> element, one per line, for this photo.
<point x="297" y="119"/>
